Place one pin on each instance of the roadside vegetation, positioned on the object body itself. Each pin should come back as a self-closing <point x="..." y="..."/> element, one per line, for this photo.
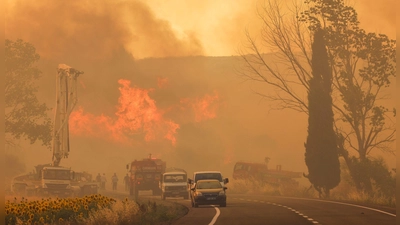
<point x="343" y="192"/>
<point x="383" y="193"/>
<point x="353" y="74"/>
<point x="93" y="209"/>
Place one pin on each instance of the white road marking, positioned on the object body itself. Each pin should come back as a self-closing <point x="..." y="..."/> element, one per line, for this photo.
<point x="270" y="203"/>
<point x="295" y="211"/>
<point x="342" y="203"/>
<point x="216" y="215"/>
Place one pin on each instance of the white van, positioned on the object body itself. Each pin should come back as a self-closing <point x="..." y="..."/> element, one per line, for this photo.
<point x="173" y="184"/>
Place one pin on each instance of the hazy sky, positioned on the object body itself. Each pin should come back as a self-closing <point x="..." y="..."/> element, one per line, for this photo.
<point x="87" y="34"/>
<point x="220" y="25"/>
<point x="155" y="28"/>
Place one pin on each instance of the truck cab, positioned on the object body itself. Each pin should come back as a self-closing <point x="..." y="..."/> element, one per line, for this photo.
<point x="173" y="184"/>
<point x="56" y="180"/>
<point x="45" y="180"/>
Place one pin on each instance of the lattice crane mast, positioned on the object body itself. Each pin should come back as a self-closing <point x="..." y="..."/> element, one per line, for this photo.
<point x="66" y="99"/>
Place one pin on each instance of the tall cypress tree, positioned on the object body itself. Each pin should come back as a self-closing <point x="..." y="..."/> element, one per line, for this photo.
<point x="321" y="154"/>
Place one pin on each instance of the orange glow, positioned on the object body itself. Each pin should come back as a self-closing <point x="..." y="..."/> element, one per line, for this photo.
<point x="228" y="147"/>
<point x="82" y="84"/>
<point x="162" y="82"/>
<point x="136" y="113"/>
<point x="204" y="108"/>
<point x="228" y="155"/>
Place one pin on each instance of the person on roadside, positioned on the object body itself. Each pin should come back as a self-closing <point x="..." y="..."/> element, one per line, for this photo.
<point x="114" y="180"/>
<point x="103" y="181"/>
<point x="126" y="182"/>
<point x="98" y="179"/>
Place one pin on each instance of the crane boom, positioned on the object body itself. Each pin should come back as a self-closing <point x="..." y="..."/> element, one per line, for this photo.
<point x="66" y="99"/>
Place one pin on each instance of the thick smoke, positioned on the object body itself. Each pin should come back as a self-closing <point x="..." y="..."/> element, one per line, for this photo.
<point x="93" y="30"/>
<point x="220" y="120"/>
<point x="377" y="17"/>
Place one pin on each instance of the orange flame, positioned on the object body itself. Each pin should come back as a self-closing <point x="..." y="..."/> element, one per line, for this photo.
<point x="87" y="124"/>
<point x="136" y="113"/>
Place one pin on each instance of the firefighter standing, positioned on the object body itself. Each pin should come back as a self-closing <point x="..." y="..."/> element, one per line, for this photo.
<point x="114" y="180"/>
<point x="103" y="181"/>
<point x="98" y="179"/>
<point x="126" y="182"/>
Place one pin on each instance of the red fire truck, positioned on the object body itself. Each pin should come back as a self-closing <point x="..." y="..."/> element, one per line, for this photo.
<point x="145" y="175"/>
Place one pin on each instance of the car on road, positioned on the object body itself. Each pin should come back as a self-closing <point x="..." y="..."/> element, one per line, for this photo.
<point x="208" y="192"/>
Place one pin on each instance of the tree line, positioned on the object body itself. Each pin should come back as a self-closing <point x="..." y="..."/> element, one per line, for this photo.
<point x="351" y="78"/>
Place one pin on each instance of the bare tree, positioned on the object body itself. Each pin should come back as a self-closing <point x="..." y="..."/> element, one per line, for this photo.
<point x="363" y="66"/>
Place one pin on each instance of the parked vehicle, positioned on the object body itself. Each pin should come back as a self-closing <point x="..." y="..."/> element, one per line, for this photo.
<point x="52" y="178"/>
<point x="85" y="182"/>
<point x="46" y="180"/>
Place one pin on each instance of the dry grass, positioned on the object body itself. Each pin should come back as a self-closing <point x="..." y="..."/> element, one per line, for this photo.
<point x="345" y="191"/>
<point x="256" y="187"/>
<point x="129" y="212"/>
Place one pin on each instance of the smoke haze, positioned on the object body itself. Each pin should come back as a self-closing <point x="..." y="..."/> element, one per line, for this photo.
<point x="93" y="30"/>
<point x="134" y="99"/>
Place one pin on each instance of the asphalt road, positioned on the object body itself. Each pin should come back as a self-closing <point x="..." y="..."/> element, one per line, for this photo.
<point x="259" y="209"/>
<point x="254" y="210"/>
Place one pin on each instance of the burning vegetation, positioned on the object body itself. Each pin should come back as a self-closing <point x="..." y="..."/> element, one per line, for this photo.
<point x="137" y="114"/>
<point x="184" y="109"/>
